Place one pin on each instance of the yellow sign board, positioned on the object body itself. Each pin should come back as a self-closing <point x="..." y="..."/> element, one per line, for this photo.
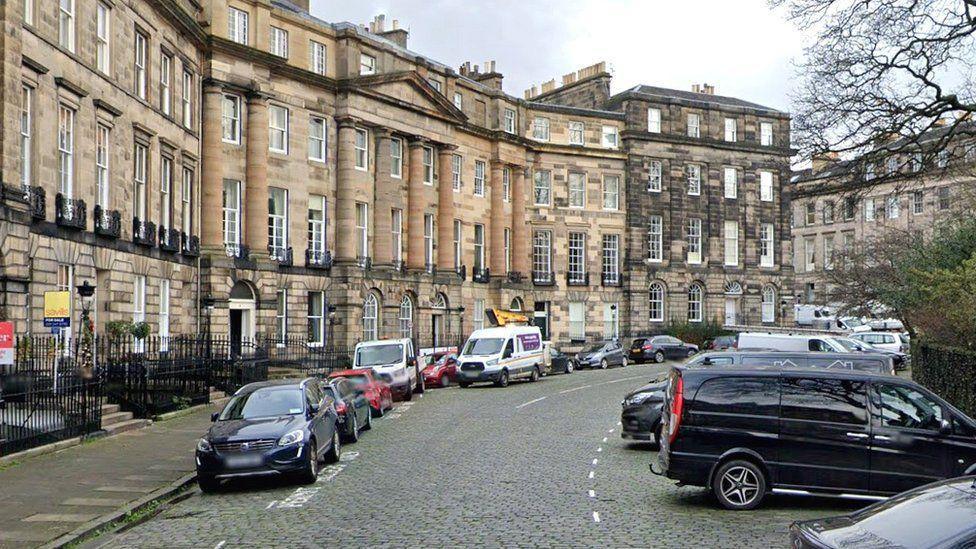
<point x="57" y="304"/>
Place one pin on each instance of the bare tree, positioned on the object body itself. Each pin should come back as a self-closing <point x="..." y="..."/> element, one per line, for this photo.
<point x="880" y="76"/>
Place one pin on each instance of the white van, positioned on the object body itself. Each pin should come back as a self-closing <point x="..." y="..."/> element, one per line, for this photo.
<point x="501" y="354"/>
<point x="789" y="342"/>
<point x="393" y="361"/>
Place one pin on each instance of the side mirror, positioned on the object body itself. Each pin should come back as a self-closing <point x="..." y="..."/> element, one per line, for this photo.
<point x="945" y="427"/>
<point x="411" y="362"/>
<point x="214" y="416"/>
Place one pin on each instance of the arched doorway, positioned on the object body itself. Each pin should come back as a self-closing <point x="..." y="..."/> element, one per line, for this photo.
<point x="242" y="312"/>
<point x="733" y="299"/>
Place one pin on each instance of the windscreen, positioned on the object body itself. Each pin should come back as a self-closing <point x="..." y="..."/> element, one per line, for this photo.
<point x="377" y="355"/>
<point x="484" y="346"/>
<point x="267" y="402"/>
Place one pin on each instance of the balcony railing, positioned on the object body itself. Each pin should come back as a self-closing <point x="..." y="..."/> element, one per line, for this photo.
<point x="364" y="262"/>
<point x="610" y="279"/>
<point x="429" y="268"/>
<point x="281" y="254"/>
<point x="70" y="212"/>
<point x="543" y="278"/>
<point x="190" y="245"/>
<point x="169" y="240"/>
<point x="108" y="223"/>
<point x="461" y="271"/>
<point x="482" y="275"/>
<point x="577" y="279"/>
<point x="515" y="277"/>
<point x="318" y="259"/>
<point x="143" y="232"/>
<point x="237" y="251"/>
<point x="399" y="265"/>
<point x="36" y="197"/>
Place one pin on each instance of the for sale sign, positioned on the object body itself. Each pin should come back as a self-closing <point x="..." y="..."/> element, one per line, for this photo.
<point x="57" y="309"/>
<point x="6" y="343"/>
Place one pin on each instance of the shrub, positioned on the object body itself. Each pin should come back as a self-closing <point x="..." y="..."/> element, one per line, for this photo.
<point x="696" y="332"/>
<point x="118" y="328"/>
<point x="139" y="330"/>
<point x="949" y="372"/>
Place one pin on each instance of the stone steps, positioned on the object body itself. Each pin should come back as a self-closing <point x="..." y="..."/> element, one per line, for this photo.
<point x="114" y="417"/>
<point x="123" y="426"/>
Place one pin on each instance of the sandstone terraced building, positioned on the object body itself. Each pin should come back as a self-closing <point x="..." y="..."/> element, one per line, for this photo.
<point x="324" y="181"/>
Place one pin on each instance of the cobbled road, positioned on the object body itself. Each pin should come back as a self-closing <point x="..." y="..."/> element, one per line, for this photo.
<point x="532" y="465"/>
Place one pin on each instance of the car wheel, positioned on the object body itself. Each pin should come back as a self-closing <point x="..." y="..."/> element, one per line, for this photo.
<point x="659" y="357"/>
<point x="657" y="434"/>
<point x="352" y="436"/>
<point x="408" y="396"/>
<point x="336" y="451"/>
<point x="445" y="381"/>
<point x="502" y="379"/>
<point x="311" y="471"/>
<point x="535" y="375"/>
<point x="421" y="384"/>
<point x="604" y="364"/>
<point x="569" y="367"/>
<point x="463" y="384"/>
<point x="691" y="352"/>
<point x="623" y="362"/>
<point x="739" y="485"/>
<point x="376" y="412"/>
<point x="369" y="421"/>
<point x="207" y="484"/>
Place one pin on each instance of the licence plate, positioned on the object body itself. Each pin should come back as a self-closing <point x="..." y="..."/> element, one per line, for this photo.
<point x="252" y="460"/>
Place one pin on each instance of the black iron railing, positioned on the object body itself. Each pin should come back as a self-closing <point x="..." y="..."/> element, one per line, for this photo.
<point x="283" y="256"/>
<point x="610" y="279"/>
<point x="482" y="275"/>
<point x="36" y="197"/>
<point x="543" y="278"/>
<point x="429" y="268"/>
<point x="318" y="259"/>
<point x="143" y="232"/>
<point x="169" y="239"/>
<point x="461" y="271"/>
<point x="190" y="245"/>
<point x="365" y="263"/>
<point x="108" y="223"/>
<point x="577" y="278"/>
<point x="70" y="212"/>
<point x="515" y="277"/>
<point x="399" y="266"/>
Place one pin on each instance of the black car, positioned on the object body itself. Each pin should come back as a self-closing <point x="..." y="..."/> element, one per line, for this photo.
<point x="561" y="363"/>
<point x="351" y="405"/>
<point x="640" y="417"/>
<point x="659" y="348"/>
<point x="745" y="432"/>
<point x="270" y="428"/>
<point x="946" y="509"/>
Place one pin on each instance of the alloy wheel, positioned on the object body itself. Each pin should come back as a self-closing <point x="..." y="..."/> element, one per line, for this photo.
<point x="739" y="486"/>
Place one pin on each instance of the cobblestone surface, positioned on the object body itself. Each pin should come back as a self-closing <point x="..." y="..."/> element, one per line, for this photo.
<point x="484" y="467"/>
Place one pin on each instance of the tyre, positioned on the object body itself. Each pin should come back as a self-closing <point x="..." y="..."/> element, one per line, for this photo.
<point x="502" y="379"/>
<point x="408" y="395"/>
<point x="463" y="384"/>
<point x="657" y="434"/>
<point x="352" y="434"/>
<point x="535" y="375"/>
<point x="421" y="385"/>
<point x="335" y="451"/>
<point x="691" y="352"/>
<point x="445" y="381"/>
<point x="604" y="364"/>
<point x="659" y="357"/>
<point x="369" y="421"/>
<point x="311" y="471"/>
<point x="569" y="367"/>
<point x="623" y="362"/>
<point x="207" y="484"/>
<point x="739" y="485"/>
<point x="376" y="412"/>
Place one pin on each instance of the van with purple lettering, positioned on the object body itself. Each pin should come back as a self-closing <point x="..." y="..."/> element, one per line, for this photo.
<point x="500" y="355"/>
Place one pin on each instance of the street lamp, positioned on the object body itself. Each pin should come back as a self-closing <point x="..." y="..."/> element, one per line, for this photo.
<point x="208" y="307"/>
<point x="460" y="311"/>
<point x="614" y="322"/>
<point x="86" y="357"/>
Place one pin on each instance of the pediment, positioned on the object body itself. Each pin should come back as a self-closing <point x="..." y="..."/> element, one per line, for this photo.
<point x="409" y="90"/>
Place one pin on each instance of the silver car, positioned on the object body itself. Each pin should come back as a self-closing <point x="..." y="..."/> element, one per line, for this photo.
<point x="602" y="355"/>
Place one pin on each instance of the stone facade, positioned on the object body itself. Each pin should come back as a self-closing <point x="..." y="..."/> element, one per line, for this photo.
<point x="344" y="187"/>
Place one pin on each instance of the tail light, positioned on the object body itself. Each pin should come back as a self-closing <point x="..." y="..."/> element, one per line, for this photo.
<point x="648" y="347"/>
<point x="341" y="407"/>
<point x="677" y="406"/>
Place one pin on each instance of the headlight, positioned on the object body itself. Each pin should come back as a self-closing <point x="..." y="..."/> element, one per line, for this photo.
<point x="293" y="437"/>
<point x="639" y="398"/>
<point x="203" y="445"/>
<point x="492" y="362"/>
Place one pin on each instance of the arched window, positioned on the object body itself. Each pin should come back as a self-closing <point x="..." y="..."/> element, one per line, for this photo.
<point x="695" y="303"/>
<point x="370" y="313"/>
<point x="516" y="305"/>
<point x="657" y="302"/>
<point x="406" y="317"/>
<point x="768" y="304"/>
<point x="439" y="302"/>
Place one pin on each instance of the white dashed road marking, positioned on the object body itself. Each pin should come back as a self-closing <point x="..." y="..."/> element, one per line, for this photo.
<point x="575" y="389"/>
<point x="595" y="461"/>
<point x="599" y="449"/>
<point x="591" y="474"/>
<point x="524" y="404"/>
<point x="221" y="544"/>
<point x="604" y="439"/>
<point x="596" y="516"/>
<point x="592" y="494"/>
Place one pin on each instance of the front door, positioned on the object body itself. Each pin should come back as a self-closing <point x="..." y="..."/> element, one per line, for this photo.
<point x="236" y="323"/>
<point x="907" y="449"/>
<point x="541" y="318"/>
<point x="241" y="325"/>
<point x="436" y="329"/>
<point x="730" y="317"/>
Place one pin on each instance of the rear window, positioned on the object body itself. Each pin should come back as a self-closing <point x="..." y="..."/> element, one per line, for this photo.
<point x="827" y="400"/>
<point x="757" y="396"/>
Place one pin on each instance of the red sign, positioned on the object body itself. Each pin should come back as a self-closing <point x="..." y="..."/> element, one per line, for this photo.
<point x="6" y="342"/>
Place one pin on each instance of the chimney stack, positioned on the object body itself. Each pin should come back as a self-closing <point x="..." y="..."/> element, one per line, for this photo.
<point x="396" y="35"/>
<point x="820" y="162"/>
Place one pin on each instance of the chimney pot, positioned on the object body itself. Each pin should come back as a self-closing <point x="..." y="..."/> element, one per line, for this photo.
<point x="696" y="88"/>
<point x="396" y="24"/>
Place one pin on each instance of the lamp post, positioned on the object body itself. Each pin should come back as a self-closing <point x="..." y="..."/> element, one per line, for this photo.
<point x="460" y="311"/>
<point x="333" y="320"/>
<point x="208" y="307"/>
<point x="86" y="332"/>
<point x="614" y="325"/>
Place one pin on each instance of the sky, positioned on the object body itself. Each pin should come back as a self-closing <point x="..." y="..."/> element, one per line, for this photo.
<point x="740" y="46"/>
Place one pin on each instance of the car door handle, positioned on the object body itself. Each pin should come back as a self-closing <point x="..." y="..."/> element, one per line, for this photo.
<point x="881" y="437"/>
<point x="857" y="435"/>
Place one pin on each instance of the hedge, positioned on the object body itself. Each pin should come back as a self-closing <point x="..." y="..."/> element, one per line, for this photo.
<point x="949" y="372"/>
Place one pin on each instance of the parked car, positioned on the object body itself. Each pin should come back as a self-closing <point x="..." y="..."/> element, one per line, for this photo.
<point x="279" y="427"/>
<point x="886" y="324"/>
<point x="658" y="348"/>
<point x="721" y="343"/>
<point x="377" y="393"/>
<point x="899" y="359"/>
<point x="394" y="361"/>
<point x="941" y="514"/>
<point x="351" y="406"/>
<point x="888" y="341"/>
<point x="640" y="417"/>
<point x="602" y="355"/>
<point x="560" y="362"/>
<point x="789" y="342"/>
<point x="501" y="354"/>
<point x="877" y="363"/>
<point x="746" y="432"/>
<point x="441" y="370"/>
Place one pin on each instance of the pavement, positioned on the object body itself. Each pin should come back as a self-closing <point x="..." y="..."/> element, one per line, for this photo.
<point x="45" y="497"/>
<point x="531" y="465"/>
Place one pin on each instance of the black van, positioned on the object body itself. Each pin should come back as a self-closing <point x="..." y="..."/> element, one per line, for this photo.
<point x="746" y="432"/>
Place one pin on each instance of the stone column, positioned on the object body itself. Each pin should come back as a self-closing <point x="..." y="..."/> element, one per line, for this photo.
<point x="256" y="176"/>
<point x="345" y="211"/>
<point x="496" y="255"/>
<point x="211" y="171"/>
<point x="414" y="233"/>
<point x="520" y="229"/>
<point x="445" y="208"/>
<point x="382" y="220"/>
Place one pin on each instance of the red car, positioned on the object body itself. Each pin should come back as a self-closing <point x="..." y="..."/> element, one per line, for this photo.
<point x="378" y="393"/>
<point x="441" y="371"/>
